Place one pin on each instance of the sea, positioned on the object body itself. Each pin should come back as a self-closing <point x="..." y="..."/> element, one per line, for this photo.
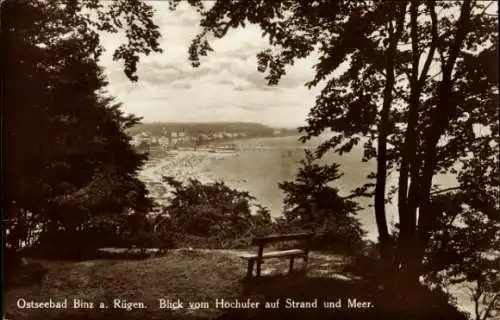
<point x="257" y="165"/>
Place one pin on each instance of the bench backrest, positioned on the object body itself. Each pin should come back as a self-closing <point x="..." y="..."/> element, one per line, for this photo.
<point x="282" y="237"/>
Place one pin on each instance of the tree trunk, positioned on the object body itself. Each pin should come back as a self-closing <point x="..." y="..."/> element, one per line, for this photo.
<point x="444" y="111"/>
<point x="380" y="215"/>
<point x="407" y="210"/>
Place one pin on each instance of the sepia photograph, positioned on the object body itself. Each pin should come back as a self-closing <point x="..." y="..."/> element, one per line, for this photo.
<point x="250" y="159"/>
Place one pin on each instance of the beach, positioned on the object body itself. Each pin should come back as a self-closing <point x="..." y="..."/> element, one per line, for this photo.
<point x="256" y="166"/>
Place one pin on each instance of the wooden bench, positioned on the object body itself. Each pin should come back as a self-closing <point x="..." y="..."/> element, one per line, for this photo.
<point x="260" y="256"/>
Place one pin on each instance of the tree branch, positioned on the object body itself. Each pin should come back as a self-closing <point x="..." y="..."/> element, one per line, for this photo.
<point x="434" y="33"/>
<point x="462" y="28"/>
<point x="445" y="190"/>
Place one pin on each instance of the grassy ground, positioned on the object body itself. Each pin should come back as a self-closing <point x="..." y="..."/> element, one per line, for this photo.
<point x="188" y="275"/>
<point x="198" y="276"/>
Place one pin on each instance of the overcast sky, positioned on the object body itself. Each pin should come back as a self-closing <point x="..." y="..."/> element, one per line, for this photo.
<point x="226" y="87"/>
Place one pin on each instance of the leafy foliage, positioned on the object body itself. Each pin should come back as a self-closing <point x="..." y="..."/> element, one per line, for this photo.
<point x="464" y="249"/>
<point x="213" y="211"/>
<point x="70" y="169"/>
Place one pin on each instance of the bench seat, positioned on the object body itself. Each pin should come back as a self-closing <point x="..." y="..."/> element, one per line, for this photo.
<point x="274" y="254"/>
<point x="302" y="252"/>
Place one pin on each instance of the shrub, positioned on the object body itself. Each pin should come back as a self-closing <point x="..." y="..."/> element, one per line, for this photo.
<point x="212" y="215"/>
<point x="312" y="204"/>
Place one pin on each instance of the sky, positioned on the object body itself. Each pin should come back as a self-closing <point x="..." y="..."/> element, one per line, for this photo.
<point x="226" y="87"/>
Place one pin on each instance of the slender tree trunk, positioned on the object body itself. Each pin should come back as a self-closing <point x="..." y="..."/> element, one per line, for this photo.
<point x="409" y="200"/>
<point x="407" y="210"/>
<point x="445" y="109"/>
<point x="380" y="215"/>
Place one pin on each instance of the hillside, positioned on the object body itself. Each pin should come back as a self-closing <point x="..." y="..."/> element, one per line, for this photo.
<point x="189" y="275"/>
<point x="248" y="128"/>
<point x="132" y="289"/>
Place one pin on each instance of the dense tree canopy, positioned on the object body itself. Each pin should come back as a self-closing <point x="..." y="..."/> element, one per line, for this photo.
<point x="68" y="161"/>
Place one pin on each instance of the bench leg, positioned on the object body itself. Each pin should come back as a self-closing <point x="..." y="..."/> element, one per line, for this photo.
<point x="291" y="264"/>
<point x="259" y="262"/>
<point x="249" y="269"/>
<point x="306" y="259"/>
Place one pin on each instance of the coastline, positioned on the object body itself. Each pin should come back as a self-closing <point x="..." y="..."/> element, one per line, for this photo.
<point x="258" y="164"/>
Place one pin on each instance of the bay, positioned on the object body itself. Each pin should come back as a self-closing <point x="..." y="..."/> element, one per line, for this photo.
<point x="258" y="165"/>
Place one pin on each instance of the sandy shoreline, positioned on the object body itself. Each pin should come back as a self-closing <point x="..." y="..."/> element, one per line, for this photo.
<point x="257" y="166"/>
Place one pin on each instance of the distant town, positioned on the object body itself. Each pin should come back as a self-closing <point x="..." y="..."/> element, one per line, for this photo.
<point x="213" y="136"/>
